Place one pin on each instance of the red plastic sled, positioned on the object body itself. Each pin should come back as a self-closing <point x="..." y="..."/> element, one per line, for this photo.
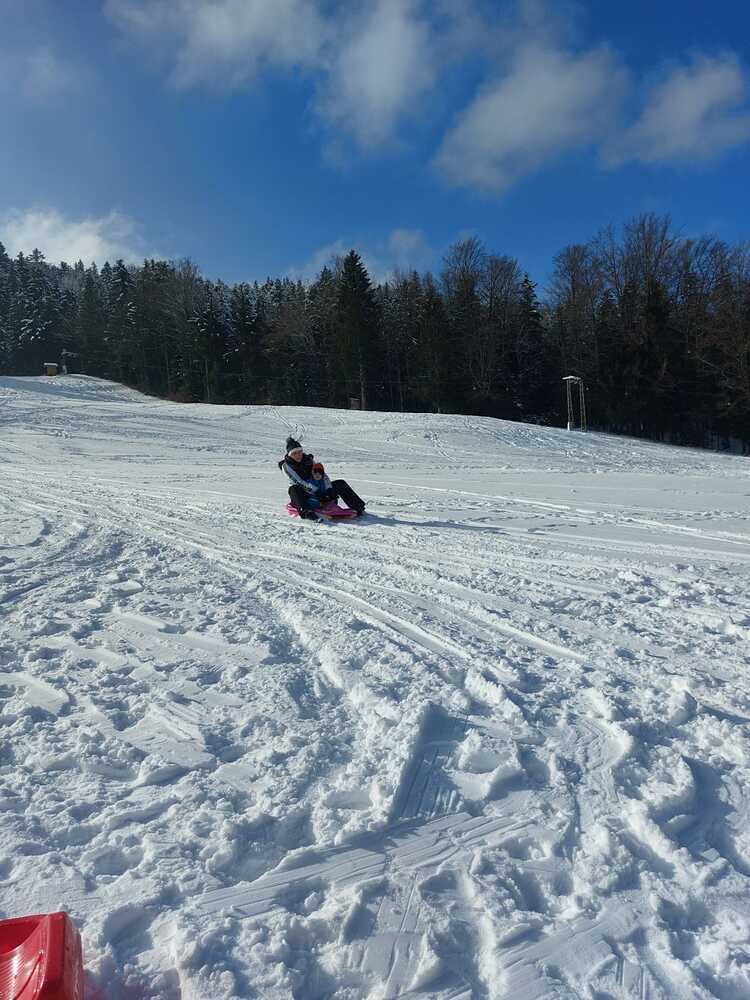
<point x="330" y="510"/>
<point x="40" y="958"/>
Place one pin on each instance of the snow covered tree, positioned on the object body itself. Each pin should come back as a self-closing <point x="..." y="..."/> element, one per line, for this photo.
<point x="243" y="354"/>
<point x="212" y="326"/>
<point x="119" y="333"/>
<point x="6" y="274"/>
<point x="34" y="321"/>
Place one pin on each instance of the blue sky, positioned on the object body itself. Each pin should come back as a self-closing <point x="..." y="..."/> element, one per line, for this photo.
<point x="259" y="137"/>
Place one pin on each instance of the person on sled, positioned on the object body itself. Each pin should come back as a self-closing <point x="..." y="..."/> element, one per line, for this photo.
<point x="307" y="490"/>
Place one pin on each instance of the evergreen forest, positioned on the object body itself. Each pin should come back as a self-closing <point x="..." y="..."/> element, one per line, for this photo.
<point x="655" y="323"/>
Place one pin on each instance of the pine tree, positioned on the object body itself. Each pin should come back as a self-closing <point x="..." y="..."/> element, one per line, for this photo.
<point x="357" y="334"/>
<point x="35" y="318"/>
<point x="322" y="307"/>
<point x="533" y="350"/>
<point x="242" y="357"/>
<point x="6" y="272"/>
<point x="119" y="335"/>
<point x="89" y="327"/>
<point x="154" y="325"/>
<point x="211" y="325"/>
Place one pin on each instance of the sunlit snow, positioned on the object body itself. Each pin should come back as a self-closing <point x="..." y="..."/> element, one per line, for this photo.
<point x="493" y="740"/>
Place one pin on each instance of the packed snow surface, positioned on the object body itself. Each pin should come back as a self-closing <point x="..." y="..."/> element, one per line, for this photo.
<point x="492" y="740"/>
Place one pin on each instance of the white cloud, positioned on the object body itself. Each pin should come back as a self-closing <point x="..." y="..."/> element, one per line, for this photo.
<point x="549" y="102"/>
<point x="402" y="250"/>
<point x="695" y="113"/>
<point x="44" y="76"/>
<point x="226" y="43"/>
<point x="380" y="71"/>
<point x="109" y="237"/>
<point x="371" y="64"/>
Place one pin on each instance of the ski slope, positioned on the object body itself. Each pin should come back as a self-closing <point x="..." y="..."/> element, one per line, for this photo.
<point x="492" y="741"/>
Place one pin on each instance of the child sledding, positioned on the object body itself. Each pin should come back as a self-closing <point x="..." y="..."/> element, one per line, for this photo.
<point x="312" y="495"/>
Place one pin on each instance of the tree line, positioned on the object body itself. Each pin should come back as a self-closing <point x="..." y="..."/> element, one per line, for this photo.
<point x="656" y="324"/>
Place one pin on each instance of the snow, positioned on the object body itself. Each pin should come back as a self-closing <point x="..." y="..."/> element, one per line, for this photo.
<point x="491" y="741"/>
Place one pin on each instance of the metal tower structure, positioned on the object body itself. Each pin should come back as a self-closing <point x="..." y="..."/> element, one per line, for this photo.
<point x="571" y="381"/>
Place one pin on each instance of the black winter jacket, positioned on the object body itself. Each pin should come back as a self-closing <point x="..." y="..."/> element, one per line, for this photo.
<point x="300" y="472"/>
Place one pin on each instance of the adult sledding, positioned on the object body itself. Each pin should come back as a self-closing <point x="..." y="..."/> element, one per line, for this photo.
<point x="312" y="495"/>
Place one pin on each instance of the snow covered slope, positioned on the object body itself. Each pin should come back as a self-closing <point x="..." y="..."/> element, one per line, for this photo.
<point x="492" y="741"/>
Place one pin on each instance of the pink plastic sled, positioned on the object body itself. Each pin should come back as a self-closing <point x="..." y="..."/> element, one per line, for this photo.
<point x="330" y="510"/>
